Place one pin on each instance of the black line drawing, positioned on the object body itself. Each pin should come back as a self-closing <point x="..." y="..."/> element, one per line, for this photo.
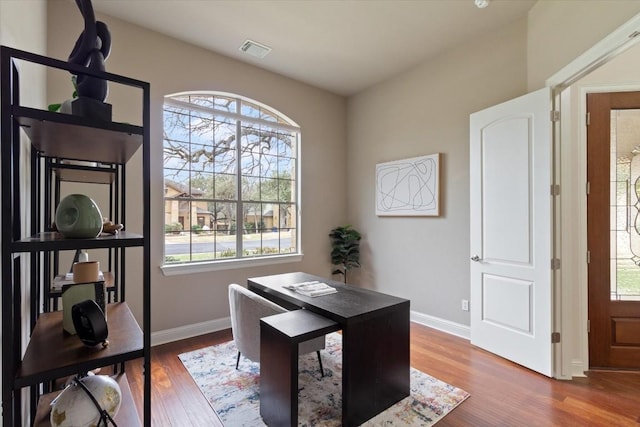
<point x="408" y="187"/>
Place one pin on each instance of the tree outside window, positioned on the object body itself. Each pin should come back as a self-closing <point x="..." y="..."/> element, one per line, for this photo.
<point x="230" y="179"/>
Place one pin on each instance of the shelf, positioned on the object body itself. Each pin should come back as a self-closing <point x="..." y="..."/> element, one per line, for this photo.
<point x="126" y="416"/>
<point x="84" y="174"/>
<point x="85" y="150"/>
<point x="108" y="280"/>
<point x="51" y="241"/>
<point x="52" y="354"/>
<point x="78" y="138"/>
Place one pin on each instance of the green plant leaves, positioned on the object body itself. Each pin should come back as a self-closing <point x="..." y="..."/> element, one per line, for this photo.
<point x="345" y="249"/>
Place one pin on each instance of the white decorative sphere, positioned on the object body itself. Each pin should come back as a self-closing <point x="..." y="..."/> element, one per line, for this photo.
<point x="74" y="408"/>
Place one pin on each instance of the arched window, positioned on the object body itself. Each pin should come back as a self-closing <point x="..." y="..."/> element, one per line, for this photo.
<point x="230" y="180"/>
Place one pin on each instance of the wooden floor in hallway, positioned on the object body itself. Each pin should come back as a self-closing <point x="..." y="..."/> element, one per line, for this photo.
<point x="502" y="393"/>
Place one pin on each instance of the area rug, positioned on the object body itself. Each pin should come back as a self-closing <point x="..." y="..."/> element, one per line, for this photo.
<point x="235" y="394"/>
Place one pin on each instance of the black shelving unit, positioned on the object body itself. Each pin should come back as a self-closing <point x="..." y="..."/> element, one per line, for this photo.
<point x="58" y="141"/>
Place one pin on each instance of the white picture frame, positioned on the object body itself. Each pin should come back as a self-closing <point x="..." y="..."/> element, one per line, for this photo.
<point x="408" y="187"/>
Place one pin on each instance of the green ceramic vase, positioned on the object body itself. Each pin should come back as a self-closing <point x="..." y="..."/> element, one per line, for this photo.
<point x="78" y="217"/>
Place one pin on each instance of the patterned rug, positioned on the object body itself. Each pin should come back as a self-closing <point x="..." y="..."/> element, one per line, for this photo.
<point x="234" y="394"/>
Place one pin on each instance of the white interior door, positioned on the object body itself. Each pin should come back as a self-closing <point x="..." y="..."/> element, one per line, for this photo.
<point x="511" y="170"/>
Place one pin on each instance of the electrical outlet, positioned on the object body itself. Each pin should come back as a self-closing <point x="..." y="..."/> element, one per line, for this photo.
<point x="465" y="305"/>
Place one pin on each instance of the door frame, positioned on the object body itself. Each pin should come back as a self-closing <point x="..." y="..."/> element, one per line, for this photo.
<point x="615" y="104"/>
<point x="569" y="281"/>
<point x="583" y="276"/>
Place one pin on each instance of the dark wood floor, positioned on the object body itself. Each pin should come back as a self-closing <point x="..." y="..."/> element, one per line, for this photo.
<point x="502" y="393"/>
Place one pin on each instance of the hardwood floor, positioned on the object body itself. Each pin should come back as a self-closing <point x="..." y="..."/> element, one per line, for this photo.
<point x="502" y="393"/>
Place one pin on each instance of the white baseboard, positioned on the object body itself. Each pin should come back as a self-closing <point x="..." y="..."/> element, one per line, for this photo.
<point x="188" y="331"/>
<point x="577" y="368"/>
<point x="453" y="328"/>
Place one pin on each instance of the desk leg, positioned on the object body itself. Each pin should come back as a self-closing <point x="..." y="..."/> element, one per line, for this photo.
<point x="278" y="379"/>
<point x="375" y="365"/>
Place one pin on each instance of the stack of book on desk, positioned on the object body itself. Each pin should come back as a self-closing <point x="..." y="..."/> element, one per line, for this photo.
<point x="311" y="289"/>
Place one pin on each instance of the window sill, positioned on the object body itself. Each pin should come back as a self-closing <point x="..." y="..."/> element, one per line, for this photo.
<point x="203" y="267"/>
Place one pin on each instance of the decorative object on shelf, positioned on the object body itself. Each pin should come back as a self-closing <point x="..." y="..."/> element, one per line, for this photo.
<point x="74" y="378"/>
<point x="91" y="50"/>
<point x="88" y="401"/>
<point x="76" y="293"/>
<point x="90" y="323"/>
<point x="65" y="107"/>
<point x="110" y="228"/>
<point x="85" y="272"/>
<point x="83" y="256"/>
<point x="78" y="216"/>
<point x="345" y="249"/>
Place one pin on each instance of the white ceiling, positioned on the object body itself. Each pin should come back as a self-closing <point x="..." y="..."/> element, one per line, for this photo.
<point x="343" y="46"/>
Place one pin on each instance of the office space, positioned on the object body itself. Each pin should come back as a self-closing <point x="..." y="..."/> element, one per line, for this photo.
<point x="535" y="53"/>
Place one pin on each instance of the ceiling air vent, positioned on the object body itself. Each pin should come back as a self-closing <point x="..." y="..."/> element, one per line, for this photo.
<point x="255" y="49"/>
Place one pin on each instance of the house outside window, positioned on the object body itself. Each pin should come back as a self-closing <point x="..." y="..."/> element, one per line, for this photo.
<point x="230" y="180"/>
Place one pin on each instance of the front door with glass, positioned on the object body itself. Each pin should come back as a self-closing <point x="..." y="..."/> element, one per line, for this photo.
<point x="613" y="227"/>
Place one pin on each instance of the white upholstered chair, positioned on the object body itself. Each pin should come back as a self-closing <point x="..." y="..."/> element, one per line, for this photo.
<point x="247" y="308"/>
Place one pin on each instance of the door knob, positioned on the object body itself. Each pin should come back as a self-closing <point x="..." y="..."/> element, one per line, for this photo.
<point x="475" y="258"/>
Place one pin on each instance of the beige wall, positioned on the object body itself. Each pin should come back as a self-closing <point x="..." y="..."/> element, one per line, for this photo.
<point x="426" y="110"/>
<point x="172" y="66"/>
<point x="420" y="112"/>
<point x="561" y="30"/>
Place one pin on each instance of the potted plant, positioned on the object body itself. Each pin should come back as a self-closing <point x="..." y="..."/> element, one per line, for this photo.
<point x="345" y="249"/>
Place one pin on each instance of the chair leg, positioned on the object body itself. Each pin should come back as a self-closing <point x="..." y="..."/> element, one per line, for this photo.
<point x="238" y="360"/>
<point x="320" y="362"/>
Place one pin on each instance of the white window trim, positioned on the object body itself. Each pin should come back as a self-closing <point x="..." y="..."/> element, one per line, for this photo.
<point x="232" y="116"/>
<point x="208" y="266"/>
<point x="175" y="269"/>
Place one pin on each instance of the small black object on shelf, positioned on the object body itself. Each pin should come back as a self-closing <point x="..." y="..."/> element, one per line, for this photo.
<point x="91" y="108"/>
<point x="90" y="323"/>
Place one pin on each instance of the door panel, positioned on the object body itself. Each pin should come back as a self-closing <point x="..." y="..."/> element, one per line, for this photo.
<point x="510" y="199"/>
<point x="506" y="171"/>
<point x="507" y="302"/>
<point x="613" y="229"/>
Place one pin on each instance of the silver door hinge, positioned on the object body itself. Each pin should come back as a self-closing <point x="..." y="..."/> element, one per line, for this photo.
<point x="588" y="119"/>
<point x="555" y="264"/>
<point x="588" y="257"/>
<point x="555" y="190"/>
<point x="555" y="337"/>
<point x="588" y="188"/>
<point x="555" y="115"/>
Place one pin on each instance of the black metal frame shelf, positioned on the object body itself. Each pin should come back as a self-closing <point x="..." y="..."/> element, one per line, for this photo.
<point x="54" y="241"/>
<point x="63" y="135"/>
<point x="98" y="174"/>
<point x="65" y="148"/>
<point x="66" y="355"/>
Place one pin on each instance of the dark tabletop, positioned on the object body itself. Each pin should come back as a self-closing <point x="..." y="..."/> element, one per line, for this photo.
<point x="350" y="303"/>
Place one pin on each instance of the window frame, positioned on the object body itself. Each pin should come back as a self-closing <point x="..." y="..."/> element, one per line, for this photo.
<point x="282" y="122"/>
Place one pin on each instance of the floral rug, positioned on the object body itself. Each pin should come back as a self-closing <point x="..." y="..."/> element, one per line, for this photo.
<point x="234" y="394"/>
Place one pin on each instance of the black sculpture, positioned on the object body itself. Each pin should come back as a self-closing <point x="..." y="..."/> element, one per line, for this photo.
<point x="91" y="50"/>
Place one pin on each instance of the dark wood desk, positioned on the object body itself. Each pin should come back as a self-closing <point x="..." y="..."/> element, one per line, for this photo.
<point x="280" y="338"/>
<point x="375" y="340"/>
